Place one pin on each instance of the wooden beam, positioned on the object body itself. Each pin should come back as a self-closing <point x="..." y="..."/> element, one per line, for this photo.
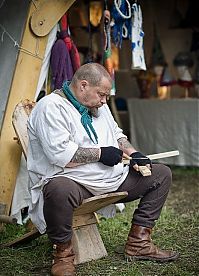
<point x="28" y="237"/>
<point x="47" y="14"/>
<point x="8" y="219"/>
<point x="87" y="244"/>
<point x="86" y="219"/>
<point x="24" y="84"/>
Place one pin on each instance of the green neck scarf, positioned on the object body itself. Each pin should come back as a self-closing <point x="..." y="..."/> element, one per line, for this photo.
<point x="86" y="118"/>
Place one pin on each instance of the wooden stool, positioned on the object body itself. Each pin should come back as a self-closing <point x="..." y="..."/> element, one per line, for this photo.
<point x="87" y="242"/>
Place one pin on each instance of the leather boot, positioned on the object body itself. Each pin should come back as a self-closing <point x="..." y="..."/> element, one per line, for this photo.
<point x="63" y="261"/>
<point x="139" y="246"/>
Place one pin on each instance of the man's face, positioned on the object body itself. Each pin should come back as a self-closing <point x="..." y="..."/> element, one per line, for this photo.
<point x="96" y="96"/>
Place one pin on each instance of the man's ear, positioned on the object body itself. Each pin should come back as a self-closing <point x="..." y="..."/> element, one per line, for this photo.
<point x="83" y="85"/>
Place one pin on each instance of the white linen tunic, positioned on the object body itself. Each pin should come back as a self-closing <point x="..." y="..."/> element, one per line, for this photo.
<point x="55" y="133"/>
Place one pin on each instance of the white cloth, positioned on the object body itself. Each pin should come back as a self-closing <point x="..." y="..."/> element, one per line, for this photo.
<point x="46" y="61"/>
<point x="55" y="133"/>
<point x="183" y="73"/>
<point x="21" y="196"/>
<point x="137" y="35"/>
<point x="165" y="125"/>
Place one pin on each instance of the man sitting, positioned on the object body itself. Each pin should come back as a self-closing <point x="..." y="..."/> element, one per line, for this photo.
<point x="75" y="151"/>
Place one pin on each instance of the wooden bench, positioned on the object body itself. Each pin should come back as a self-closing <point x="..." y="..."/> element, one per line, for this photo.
<point x="87" y="241"/>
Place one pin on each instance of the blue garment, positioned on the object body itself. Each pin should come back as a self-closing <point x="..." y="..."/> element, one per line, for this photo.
<point x="120" y="22"/>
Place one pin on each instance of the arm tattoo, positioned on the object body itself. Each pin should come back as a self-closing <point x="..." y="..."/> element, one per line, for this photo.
<point x="86" y="155"/>
<point x="124" y="143"/>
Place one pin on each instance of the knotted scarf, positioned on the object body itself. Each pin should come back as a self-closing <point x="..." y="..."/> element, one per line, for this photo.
<point x="86" y="118"/>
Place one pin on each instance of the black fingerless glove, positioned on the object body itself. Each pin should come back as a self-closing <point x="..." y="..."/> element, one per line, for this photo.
<point x="110" y="156"/>
<point x="139" y="159"/>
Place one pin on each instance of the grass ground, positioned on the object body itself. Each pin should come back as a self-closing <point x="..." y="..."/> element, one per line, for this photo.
<point x="177" y="229"/>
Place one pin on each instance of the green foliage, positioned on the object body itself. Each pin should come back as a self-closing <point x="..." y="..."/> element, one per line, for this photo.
<point x="176" y="229"/>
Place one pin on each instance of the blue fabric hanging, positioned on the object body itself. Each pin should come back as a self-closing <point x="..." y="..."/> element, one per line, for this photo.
<point x="121" y="22"/>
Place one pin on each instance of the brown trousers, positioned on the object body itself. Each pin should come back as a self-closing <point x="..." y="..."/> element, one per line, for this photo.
<point x="62" y="195"/>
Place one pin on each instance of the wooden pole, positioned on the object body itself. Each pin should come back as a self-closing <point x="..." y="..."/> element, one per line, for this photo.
<point x="7" y="219"/>
<point x="163" y="154"/>
<point x="156" y="156"/>
<point x="23" y="85"/>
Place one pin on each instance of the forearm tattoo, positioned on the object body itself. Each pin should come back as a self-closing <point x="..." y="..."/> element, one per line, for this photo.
<point x="86" y="155"/>
<point x="124" y="143"/>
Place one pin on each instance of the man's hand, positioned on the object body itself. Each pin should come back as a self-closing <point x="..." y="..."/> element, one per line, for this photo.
<point x="110" y="156"/>
<point x="139" y="159"/>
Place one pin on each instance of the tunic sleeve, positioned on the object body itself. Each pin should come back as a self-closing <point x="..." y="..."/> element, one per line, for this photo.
<point x="52" y="128"/>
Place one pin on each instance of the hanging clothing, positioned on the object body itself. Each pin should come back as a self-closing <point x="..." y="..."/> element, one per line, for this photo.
<point x="65" y="58"/>
<point x="128" y="24"/>
<point x="107" y="61"/>
<point x="157" y="54"/>
<point x="138" y="60"/>
<point x="64" y="34"/>
<point x="121" y="14"/>
<point x="166" y="78"/>
<point x="61" y="66"/>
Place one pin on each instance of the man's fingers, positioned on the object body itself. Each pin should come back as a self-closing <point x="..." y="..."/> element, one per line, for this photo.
<point x="136" y="167"/>
<point x="126" y="156"/>
<point x="148" y="166"/>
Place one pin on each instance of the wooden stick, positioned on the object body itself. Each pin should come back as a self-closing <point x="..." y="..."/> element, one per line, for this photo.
<point x="144" y="170"/>
<point x="157" y="156"/>
<point x="8" y="219"/>
<point x="163" y="154"/>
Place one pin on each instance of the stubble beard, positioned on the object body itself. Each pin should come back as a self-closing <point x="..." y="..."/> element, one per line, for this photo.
<point x="94" y="111"/>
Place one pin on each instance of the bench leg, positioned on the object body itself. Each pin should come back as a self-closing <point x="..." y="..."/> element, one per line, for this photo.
<point x="88" y="244"/>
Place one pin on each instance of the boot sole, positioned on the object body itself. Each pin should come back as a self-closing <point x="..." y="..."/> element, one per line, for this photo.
<point x="145" y="258"/>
